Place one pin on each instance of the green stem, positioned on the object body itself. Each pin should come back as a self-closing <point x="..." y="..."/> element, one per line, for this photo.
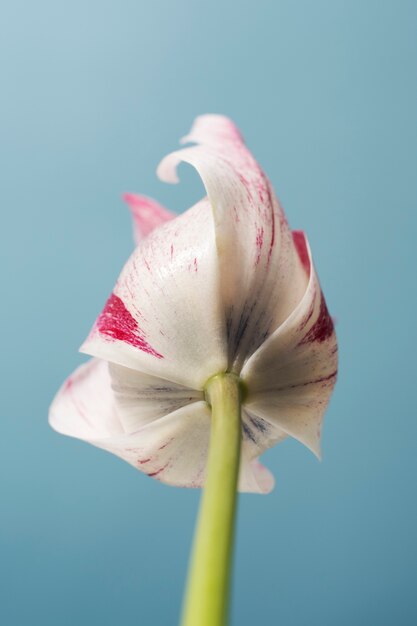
<point x="206" y="599"/>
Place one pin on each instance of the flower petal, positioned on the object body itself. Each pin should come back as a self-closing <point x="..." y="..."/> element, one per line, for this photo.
<point x="254" y="477"/>
<point x="147" y="214"/>
<point x="85" y="407"/>
<point x="165" y="315"/>
<point x="171" y="447"/>
<point x="262" y="277"/>
<point x="259" y="434"/>
<point x="141" y="398"/>
<point x="291" y="376"/>
<point x="174" y="450"/>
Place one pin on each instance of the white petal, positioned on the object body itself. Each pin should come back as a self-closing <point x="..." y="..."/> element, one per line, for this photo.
<point x="291" y="376"/>
<point x="165" y="315"/>
<point x="85" y="406"/>
<point x="259" y="434"/>
<point x="147" y="214"/>
<point x="171" y="447"/>
<point x="174" y="450"/>
<point x="141" y="398"/>
<point x="254" y="477"/>
<point x="262" y="278"/>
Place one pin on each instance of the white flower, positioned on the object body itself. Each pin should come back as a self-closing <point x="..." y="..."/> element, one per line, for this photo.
<point x="226" y="286"/>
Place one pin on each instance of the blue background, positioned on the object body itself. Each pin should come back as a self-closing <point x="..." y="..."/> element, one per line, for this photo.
<point x="93" y="94"/>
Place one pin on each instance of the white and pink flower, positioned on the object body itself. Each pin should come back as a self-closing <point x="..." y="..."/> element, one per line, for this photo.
<point x="226" y="286"/>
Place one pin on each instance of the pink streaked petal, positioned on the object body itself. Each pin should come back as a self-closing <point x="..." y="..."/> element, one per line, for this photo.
<point x="300" y="242"/>
<point x="165" y="315"/>
<point x="254" y="477"/>
<point x="262" y="275"/>
<point x="292" y="375"/>
<point x="168" y="445"/>
<point x="85" y="406"/>
<point x="172" y="449"/>
<point x="147" y="214"/>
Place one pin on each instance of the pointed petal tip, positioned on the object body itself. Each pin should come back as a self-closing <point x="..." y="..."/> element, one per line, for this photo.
<point x="147" y="214"/>
<point x="314" y="445"/>
<point x="130" y="198"/>
<point x="309" y="439"/>
<point x="84" y="347"/>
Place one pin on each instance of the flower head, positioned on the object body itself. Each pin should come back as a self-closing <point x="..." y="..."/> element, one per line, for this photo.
<point x="226" y="286"/>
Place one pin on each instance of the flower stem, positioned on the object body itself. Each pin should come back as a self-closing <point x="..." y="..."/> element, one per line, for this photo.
<point x="207" y="594"/>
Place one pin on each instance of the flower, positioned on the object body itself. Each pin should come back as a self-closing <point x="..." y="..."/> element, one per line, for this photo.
<point x="226" y="286"/>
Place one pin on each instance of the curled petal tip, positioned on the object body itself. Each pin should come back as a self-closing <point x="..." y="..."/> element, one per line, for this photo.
<point x="167" y="169"/>
<point x="226" y="286"/>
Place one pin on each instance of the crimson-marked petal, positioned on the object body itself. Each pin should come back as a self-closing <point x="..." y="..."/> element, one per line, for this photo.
<point x="171" y="446"/>
<point x="147" y="214"/>
<point x="165" y="315"/>
<point x="85" y="406"/>
<point x="262" y="277"/>
<point x="253" y="476"/>
<point x="291" y="376"/>
<point x="174" y="450"/>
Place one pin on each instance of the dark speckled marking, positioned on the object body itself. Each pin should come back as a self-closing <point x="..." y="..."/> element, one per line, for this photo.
<point x="158" y="471"/>
<point x="248" y="433"/>
<point x="259" y="424"/>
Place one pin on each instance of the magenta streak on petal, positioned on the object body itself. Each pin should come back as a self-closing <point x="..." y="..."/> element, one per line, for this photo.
<point x="271" y="204"/>
<point x="307" y="317"/>
<point x="195" y="264"/>
<point x="158" y="471"/>
<point x="143" y="461"/>
<point x="164" y="445"/>
<point x="323" y="379"/>
<point x="322" y="328"/>
<point x="116" y="322"/>
<point x="259" y="243"/>
<point x="68" y="383"/>
<point x="69" y="388"/>
<point x="301" y="247"/>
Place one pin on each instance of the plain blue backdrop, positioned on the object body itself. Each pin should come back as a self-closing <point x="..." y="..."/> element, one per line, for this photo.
<point x="93" y="94"/>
